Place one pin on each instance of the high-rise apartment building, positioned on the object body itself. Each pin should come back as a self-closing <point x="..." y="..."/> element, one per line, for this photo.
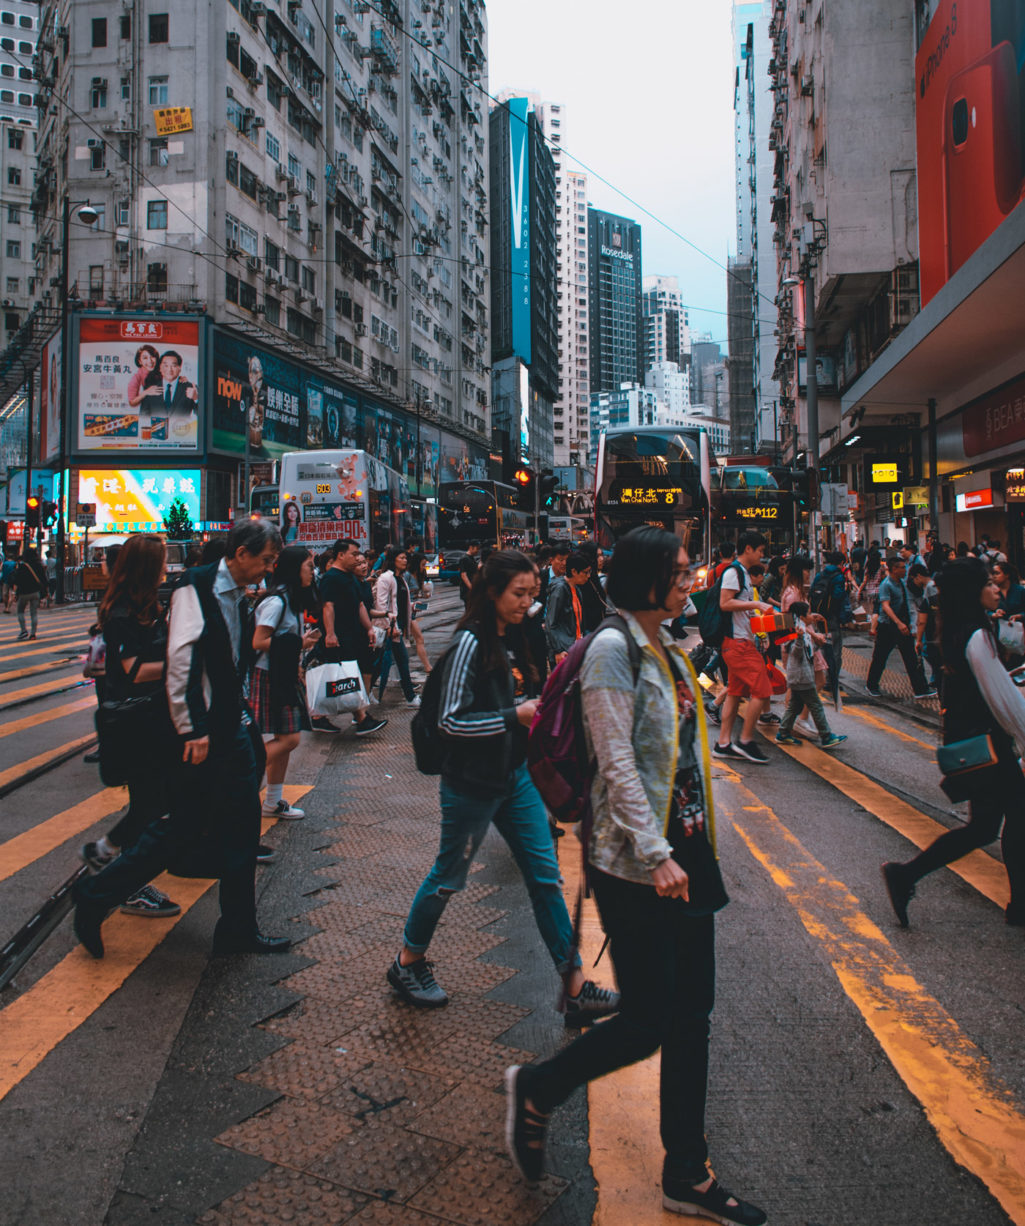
<point x="524" y="305"/>
<point x="615" y="298"/>
<point x="666" y="326"/>
<point x="19" y="20"/>
<point x="670" y="384"/>
<point x="307" y="183"/>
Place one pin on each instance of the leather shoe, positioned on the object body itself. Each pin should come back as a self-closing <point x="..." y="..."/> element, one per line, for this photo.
<point x="94" y="756"/>
<point x="88" y="921"/>
<point x="228" y="943"/>
<point x="899" y="889"/>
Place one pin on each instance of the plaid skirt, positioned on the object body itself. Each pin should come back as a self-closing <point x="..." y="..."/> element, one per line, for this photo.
<point x="275" y="720"/>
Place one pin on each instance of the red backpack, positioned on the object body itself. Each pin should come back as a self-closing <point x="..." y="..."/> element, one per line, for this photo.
<point x="557" y="756"/>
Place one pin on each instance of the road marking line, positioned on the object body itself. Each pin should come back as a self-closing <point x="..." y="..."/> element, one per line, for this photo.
<point x="24" y="849"/>
<point x="972" y="1112"/>
<point x="13" y="773"/>
<point x="46" y="717"/>
<point x="35" y="669"/>
<point x="978" y="869"/>
<point x="56" y="645"/>
<point x="33" y="1024"/>
<point x="889" y="728"/>
<point x="43" y="636"/>
<point x="47" y="687"/>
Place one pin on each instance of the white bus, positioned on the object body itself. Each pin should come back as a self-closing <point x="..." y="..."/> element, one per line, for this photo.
<point x="332" y="495"/>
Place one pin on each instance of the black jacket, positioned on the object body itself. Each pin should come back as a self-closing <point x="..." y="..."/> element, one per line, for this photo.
<point x="966" y="713"/>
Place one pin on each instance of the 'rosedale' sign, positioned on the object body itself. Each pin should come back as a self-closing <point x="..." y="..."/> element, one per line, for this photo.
<point x="617" y="255"/>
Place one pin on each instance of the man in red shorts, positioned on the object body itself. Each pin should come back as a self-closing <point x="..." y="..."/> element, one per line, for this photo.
<point x="748" y="676"/>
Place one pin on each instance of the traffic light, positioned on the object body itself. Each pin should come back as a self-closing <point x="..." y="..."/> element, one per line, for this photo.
<point x="32" y="508"/>
<point x="523" y="480"/>
<point x="547" y="483"/>
<point x="49" y="514"/>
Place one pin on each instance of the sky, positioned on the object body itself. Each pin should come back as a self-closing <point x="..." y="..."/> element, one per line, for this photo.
<point x="648" y="87"/>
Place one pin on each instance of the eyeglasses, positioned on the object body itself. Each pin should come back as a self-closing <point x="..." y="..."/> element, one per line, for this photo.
<point x="683" y="576"/>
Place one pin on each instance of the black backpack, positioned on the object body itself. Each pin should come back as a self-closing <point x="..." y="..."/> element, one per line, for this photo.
<point x="715" y="623"/>
<point x="430" y="745"/>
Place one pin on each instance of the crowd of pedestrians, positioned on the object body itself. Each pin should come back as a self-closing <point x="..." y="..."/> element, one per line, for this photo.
<point x="218" y="678"/>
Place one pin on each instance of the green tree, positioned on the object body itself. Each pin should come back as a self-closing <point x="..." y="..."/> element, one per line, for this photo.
<point x="177" y="523"/>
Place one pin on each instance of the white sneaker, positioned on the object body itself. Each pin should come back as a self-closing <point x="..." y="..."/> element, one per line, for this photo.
<point x="414" y="701"/>
<point x="806" y="728"/>
<point x="284" y="810"/>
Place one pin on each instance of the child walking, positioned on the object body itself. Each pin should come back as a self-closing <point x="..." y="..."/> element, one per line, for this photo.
<point x="800" y="670"/>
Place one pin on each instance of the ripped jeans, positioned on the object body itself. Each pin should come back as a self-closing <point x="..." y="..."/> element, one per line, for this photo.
<point x="520" y="818"/>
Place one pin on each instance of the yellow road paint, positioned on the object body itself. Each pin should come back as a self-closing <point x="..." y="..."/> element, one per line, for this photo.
<point x="978" y="869"/>
<point x="62" y="644"/>
<point x="35" y="669"/>
<point x="30" y="764"/>
<point x="25" y="849"/>
<point x="974" y="1115"/>
<point x="46" y="717"/>
<point x="33" y="1024"/>
<point x="44" y="636"/>
<point x="889" y="729"/>
<point x="32" y="691"/>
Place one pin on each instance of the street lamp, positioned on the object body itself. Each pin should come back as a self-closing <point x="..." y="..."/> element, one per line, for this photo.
<point x="88" y="216"/>
<point x="812" y="392"/>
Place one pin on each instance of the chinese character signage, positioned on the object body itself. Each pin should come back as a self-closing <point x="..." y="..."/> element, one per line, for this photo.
<point x="138" y="385"/>
<point x="650" y="495"/>
<point x="136" y="500"/>
<point x="171" y="119"/>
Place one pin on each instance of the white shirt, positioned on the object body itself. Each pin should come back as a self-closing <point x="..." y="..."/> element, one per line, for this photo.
<point x="1002" y="696"/>
<point x="741" y="617"/>
<point x="274" y="612"/>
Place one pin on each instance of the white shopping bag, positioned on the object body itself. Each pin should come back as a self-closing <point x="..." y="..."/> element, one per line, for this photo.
<point x="332" y="689"/>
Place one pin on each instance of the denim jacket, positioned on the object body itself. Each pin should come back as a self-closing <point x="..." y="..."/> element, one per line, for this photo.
<point x="633" y="730"/>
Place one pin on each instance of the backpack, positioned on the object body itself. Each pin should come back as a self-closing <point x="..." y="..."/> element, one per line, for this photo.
<point x="429" y="743"/>
<point x="714" y="623"/>
<point x="824" y="599"/>
<point x="557" y="756"/>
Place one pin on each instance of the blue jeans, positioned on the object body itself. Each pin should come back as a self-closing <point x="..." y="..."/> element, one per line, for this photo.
<point x="520" y="818"/>
<point x="396" y="649"/>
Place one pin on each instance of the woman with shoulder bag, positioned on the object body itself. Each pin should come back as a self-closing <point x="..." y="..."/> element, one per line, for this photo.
<point x="653" y="869"/>
<point x="134" y="633"/>
<point x="978" y="699"/>
<point x="278" y="700"/>
<point x="393" y="606"/>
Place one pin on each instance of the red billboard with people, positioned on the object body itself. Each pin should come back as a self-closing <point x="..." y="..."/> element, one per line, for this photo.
<point x="970" y="120"/>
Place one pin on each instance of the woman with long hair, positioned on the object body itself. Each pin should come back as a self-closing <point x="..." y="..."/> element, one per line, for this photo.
<point x="795" y="588"/>
<point x="653" y="868"/>
<point x="393" y="606"/>
<point x="875" y="573"/>
<point x="279" y="705"/>
<point x="135" y="636"/>
<point x="487" y="703"/>
<point x="977" y="698"/>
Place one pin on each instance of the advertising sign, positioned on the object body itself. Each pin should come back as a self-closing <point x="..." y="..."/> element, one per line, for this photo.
<point x="171" y="119"/>
<point x="884" y="473"/>
<point x="995" y="420"/>
<point x="136" y="500"/>
<point x="50" y="399"/>
<point x="1014" y="489"/>
<point x="138" y="385"/>
<point x="256" y="389"/>
<point x="519" y="206"/>
<point x="974" y="500"/>
<point x="968" y="130"/>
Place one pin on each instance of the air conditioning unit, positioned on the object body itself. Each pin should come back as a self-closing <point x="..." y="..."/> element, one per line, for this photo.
<point x="312" y="197"/>
<point x="248" y="113"/>
<point x="280" y="196"/>
<point x="318" y="306"/>
<point x="256" y="79"/>
<point x="257" y="121"/>
<point x="280" y="173"/>
<point x="234" y="38"/>
<point x="259" y="309"/>
<point x="258" y="9"/>
<point x="253" y="264"/>
<point x="294" y="187"/>
<point x="360" y="329"/>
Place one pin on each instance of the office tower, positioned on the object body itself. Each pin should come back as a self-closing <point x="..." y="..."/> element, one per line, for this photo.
<point x="614" y="295"/>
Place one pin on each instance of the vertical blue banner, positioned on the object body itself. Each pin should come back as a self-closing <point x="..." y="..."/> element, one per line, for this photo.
<point x="519" y="203"/>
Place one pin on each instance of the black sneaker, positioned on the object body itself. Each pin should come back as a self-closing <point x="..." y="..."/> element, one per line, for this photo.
<point x="525" y="1130"/>
<point x="416" y="984"/>
<point x="94" y="859"/>
<point x="265" y="854"/>
<point x="150" y="901"/>
<point x="323" y="724"/>
<point x="725" y="751"/>
<point x="679" y="1197"/>
<point x="899" y="890"/>
<point x="770" y="718"/>
<point x="590" y="1003"/>
<point x="930" y="693"/>
<point x="368" y="724"/>
<point x="712" y="713"/>
<point x="751" y="751"/>
<point x="873" y="693"/>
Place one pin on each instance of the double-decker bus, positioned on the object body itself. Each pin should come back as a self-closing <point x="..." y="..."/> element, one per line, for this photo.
<point x="263" y="501"/>
<point x="574" y="528"/>
<point x="747" y="495"/>
<point x="482" y="511"/>
<point x="328" y="495"/>
<point x="659" y="475"/>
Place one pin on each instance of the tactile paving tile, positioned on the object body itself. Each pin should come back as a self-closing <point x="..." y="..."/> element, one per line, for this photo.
<point x="382" y="1213"/>
<point x="280" y="1196"/>
<point x="335" y="915"/>
<point x="303" y="1071"/>
<point x="290" y="1132"/>
<point x="313" y="1022"/>
<point x="476" y="916"/>
<point x="480" y="1188"/>
<point x="389" y="1094"/>
<point x="340" y="946"/>
<point x="404" y="1036"/>
<point x="462" y="976"/>
<point x="359" y="841"/>
<point x="468" y="1112"/>
<point x="481" y="1016"/>
<point x="385" y="1161"/>
<point x="468" y="1059"/>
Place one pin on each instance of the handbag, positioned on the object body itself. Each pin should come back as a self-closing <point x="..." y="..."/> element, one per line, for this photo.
<point x="334" y="689"/>
<point x="127" y="728"/>
<point x="969" y="767"/>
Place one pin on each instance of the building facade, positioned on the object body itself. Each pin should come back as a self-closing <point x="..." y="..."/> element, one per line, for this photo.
<point x="524" y="302"/>
<point x="19" y="21"/>
<point x="740" y="305"/>
<point x="616" y="319"/>
<point x="309" y="185"/>
<point x="666" y="325"/>
<point x="670" y="384"/>
<point x="630" y="404"/>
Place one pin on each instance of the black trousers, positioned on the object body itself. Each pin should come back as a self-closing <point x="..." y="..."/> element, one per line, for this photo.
<point x="1006" y="803"/>
<point x="888" y="637"/>
<point x="222" y="796"/>
<point x="665" y="965"/>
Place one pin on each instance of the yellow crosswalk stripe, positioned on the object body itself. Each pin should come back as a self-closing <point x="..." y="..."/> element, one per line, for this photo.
<point x="24" y="849"/>
<point x="13" y="773"/>
<point x="33" y="1024"/>
<point x="46" y="717"/>
<point x="32" y="691"/>
<point x="35" y="669"/>
<point x="63" y="644"/>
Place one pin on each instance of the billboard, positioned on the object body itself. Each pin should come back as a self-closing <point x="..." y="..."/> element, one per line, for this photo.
<point x="137" y="499"/>
<point x="519" y="206"/>
<point x="138" y="385"/>
<point x="970" y="123"/>
<point x="50" y="399"/>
